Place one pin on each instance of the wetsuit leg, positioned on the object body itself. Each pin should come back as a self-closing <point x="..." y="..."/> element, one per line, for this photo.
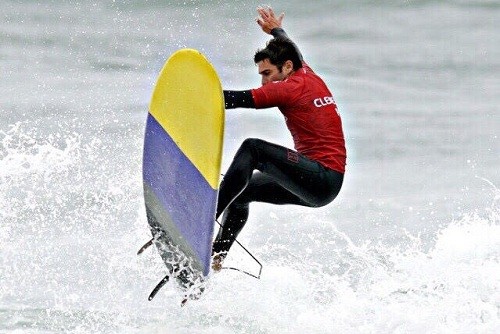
<point x="283" y="177"/>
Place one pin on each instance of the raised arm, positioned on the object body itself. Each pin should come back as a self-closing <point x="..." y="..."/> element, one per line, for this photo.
<point x="272" y="25"/>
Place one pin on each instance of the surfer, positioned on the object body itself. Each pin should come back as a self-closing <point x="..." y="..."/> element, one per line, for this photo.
<point x="312" y="174"/>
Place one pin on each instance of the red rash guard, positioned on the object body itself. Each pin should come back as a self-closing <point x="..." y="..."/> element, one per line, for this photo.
<point x="311" y="116"/>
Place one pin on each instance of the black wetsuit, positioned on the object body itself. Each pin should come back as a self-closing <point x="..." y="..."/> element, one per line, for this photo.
<point x="266" y="172"/>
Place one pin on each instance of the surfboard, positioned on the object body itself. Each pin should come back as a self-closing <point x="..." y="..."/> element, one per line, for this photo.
<point x="181" y="166"/>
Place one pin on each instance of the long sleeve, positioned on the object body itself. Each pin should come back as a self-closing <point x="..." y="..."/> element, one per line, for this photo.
<point x="238" y="99"/>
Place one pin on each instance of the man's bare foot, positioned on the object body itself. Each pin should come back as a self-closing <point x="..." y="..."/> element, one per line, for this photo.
<point x="217" y="260"/>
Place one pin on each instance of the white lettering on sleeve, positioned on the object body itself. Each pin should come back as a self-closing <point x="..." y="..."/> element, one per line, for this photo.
<point x="323" y="101"/>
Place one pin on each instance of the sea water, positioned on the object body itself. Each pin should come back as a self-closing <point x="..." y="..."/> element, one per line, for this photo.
<point x="411" y="245"/>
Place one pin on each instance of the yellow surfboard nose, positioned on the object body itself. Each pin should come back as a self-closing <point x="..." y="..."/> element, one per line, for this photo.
<point x="188" y="103"/>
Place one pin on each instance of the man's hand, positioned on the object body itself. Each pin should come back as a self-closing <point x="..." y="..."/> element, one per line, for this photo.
<point x="267" y="20"/>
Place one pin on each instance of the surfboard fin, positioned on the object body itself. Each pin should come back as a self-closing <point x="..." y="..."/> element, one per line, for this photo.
<point x="158" y="287"/>
<point x="146" y="246"/>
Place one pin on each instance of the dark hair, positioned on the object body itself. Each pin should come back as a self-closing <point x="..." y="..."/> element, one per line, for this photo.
<point x="278" y="50"/>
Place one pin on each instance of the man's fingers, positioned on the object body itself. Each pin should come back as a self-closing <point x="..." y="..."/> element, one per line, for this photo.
<point x="263" y="12"/>
<point x="270" y="11"/>
<point x="267" y="19"/>
<point x="280" y="18"/>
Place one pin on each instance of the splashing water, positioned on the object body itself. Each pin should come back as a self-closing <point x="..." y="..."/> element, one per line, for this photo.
<point x="69" y="264"/>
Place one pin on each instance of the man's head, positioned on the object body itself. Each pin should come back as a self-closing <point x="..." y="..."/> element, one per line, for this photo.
<point x="278" y="60"/>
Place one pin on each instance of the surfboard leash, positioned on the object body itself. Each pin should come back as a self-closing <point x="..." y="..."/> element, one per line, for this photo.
<point x="249" y="253"/>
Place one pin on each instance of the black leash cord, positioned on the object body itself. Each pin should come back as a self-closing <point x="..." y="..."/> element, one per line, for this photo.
<point x="251" y="255"/>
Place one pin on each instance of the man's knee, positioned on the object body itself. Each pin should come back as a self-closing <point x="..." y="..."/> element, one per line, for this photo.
<point x="252" y="143"/>
<point x="249" y="151"/>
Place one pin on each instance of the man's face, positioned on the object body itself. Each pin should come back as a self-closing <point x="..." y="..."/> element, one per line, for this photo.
<point x="270" y="72"/>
